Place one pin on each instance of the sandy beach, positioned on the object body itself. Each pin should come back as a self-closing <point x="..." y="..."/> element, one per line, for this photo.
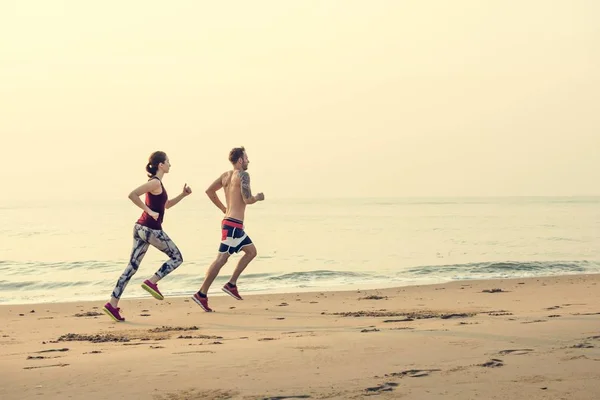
<point x="535" y="338"/>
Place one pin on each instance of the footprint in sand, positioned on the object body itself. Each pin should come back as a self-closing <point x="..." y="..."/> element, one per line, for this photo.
<point x="499" y="313"/>
<point x="385" y="387"/>
<point x="589" y="313"/>
<point x="459" y="315"/>
<point x="583" y="346"/>
<point x="302" y="348"/>
<point x="373" y="297"/>
<point x="199" y="337"/>
<point x="47" y="366"/>
<point x="193" y="394"/>
<point x="399" y="320"/>
<point x="517" y="352"/>
<point x="369" y="330"/>
<point x="413" y="373"/>
<point x="493" y="363"/>
<point x="495" y="290"/>
<point x="194" y="352"/>
<point x="87" y="314"/>
<point x="163" y="329"/>
<point x="53" y="350"/>
<point x="100" y="338"/>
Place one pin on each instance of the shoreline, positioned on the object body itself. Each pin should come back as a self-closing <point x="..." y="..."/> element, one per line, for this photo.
<point x="536" y="338"/>
<point x="216" y="292"/>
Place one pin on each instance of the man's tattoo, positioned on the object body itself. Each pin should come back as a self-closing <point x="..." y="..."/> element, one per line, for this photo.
<point x="245" y="182"/>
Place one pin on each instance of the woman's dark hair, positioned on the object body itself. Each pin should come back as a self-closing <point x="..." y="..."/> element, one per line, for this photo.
<point x="236" y="153"/>
<point x="155" y="158"/>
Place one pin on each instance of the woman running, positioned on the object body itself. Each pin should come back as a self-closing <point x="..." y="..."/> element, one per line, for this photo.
<point x="148" y="231"/>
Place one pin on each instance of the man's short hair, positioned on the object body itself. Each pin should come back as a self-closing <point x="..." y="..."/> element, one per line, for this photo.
<point x="236" y="153"/>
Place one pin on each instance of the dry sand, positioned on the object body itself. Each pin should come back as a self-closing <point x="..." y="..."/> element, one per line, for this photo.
<point x="537" y="338"/>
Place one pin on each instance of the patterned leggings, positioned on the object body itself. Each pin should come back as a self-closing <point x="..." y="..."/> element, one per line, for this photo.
<point x="143" y="237"/>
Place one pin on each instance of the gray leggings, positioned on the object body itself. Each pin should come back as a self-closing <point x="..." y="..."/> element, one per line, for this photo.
<point x="143" y="237"/>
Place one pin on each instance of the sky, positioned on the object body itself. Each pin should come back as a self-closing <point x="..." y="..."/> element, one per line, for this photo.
<point x="330" y="98"/>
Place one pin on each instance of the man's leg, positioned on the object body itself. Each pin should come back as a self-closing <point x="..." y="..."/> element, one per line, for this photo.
<point x="249" y="254"/>
<point x="200" y="297"/>
<point x="213" y="272"/>
<point x="231" y="287"/>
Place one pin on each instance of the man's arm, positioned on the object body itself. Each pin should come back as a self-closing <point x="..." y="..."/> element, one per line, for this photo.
<point x="211" y="192"/>
<point x="247" y="191"/>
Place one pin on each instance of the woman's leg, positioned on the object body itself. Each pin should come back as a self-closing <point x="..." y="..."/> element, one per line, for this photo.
<point x="140" y="246"/>
<point x="163" y="242"/>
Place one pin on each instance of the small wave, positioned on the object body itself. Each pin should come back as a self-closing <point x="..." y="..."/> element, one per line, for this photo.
<point x="7" y="285"/>
<point x="317" y="275"/>
<point x="534" y="266"/>
<point x="505" y="269"/>
<point x="560" y="239"/>
<point x="37" y="285"/>
<point x="61" y="265"/>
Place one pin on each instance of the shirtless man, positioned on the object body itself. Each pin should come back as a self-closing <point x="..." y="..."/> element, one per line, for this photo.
<point x="236" y="185"/>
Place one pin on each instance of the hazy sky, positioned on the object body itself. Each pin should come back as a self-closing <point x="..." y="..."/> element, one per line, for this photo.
<point x="331" y="98"/>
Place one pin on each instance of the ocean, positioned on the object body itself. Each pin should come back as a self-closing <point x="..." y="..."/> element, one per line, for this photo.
<point x="75" y="251"/>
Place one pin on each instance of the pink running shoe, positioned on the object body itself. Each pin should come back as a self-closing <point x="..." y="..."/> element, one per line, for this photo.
<point x="113" y="312"/>
<point x="202" y="302"/>
<point x="232" y="291"/>
<point x="152" y="289"/>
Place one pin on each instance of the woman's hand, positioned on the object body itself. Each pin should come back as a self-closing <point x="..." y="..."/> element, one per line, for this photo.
<point x="153" y="214"/>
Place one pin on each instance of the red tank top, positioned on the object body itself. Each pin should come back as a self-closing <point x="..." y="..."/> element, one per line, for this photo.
<point x="155" y="202"/>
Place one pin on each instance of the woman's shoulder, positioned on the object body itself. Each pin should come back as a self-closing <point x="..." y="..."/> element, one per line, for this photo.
<point x="154" y="182"/>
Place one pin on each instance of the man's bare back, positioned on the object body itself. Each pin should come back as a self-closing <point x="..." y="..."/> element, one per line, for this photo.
<point x="232" y="186"/>
<point x="236" y="185"/>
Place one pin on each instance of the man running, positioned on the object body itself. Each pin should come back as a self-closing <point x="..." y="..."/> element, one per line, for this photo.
<point x="236" y="185"/>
